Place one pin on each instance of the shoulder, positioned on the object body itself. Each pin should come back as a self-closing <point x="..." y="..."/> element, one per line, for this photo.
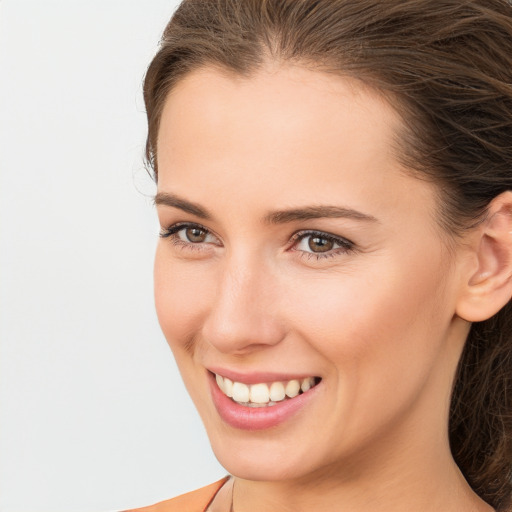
<point x="195" y="501"/>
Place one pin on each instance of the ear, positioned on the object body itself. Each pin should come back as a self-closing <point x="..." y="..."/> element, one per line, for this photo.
<point x="487" y="284"/>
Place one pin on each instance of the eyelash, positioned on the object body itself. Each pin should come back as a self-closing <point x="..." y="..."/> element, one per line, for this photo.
<point x="345" y="246"/>
<point x="172" y="231"/>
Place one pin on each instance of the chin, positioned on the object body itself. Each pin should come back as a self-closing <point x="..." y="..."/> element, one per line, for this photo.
<point x="261" y="458"/>
<point x="257" y="470"/>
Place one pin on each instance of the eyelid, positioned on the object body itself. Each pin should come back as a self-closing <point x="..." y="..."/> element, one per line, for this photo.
<point x="324" y="234"/>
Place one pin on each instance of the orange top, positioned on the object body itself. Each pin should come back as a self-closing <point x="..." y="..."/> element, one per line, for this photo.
<point x="195" y="501"/>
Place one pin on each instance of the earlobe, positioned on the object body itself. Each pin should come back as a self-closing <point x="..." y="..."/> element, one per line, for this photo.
<point x="488" y="288"/>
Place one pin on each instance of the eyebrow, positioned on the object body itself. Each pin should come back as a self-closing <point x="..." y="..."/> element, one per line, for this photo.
<point x="316" y="212"/>
<point x="276" y="217"/>
<point x="166" y="199"/>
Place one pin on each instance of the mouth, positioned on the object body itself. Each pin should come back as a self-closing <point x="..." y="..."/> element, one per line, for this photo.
<point x="265" y="394"/>
<point x="259" y="401"/>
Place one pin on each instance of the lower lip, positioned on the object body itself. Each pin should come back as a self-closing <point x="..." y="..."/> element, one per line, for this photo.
<point x="257" y="418"/>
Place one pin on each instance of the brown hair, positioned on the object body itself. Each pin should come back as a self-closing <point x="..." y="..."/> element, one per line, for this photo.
<point x="446" y="66"/>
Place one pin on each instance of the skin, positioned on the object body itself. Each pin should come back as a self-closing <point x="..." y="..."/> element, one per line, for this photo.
<point x="376" y="322"/>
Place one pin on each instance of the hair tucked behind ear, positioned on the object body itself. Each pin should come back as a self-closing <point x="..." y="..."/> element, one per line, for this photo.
<point x="446" y="67"/>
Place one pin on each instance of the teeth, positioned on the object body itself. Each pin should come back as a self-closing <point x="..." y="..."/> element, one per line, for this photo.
<point x="220" y="383"/>
<point x="251" y="404"/>
<point x="277" y="392"/>
<point x="240" y="392"/>
<point x="228" y="386"/>
<point x="261" y="395"/>
<point x="292" y="388"/>
<point x="307" y="384"/>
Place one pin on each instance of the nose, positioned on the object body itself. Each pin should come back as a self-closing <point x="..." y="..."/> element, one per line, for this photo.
<point x="244" y="316"/>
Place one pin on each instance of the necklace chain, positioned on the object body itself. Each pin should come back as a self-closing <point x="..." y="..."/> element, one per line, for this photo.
<point x="231" y="509"/>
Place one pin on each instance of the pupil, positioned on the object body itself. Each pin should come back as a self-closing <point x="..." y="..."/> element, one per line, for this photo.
<point x="317" y="244"/>
<point x="195" y="235"/>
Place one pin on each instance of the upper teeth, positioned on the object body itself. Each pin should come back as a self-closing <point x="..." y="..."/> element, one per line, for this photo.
<point x="263" y="393"/>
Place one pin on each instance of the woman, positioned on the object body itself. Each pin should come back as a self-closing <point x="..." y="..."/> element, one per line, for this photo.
<point x="334" y="269"/>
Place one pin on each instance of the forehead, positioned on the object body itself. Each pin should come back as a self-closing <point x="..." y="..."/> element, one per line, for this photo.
<point x="286" y="134"/>
<point x="281" y="100"/>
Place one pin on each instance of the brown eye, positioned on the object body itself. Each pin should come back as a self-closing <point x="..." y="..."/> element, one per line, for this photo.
<point x="196" y="235"/>
<point x="190" y="234"/>
<point x="319" y="244"/>
<point x="322" y="245"/>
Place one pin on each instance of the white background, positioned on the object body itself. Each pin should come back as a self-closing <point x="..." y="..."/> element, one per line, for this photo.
<point x="93" y="415"/>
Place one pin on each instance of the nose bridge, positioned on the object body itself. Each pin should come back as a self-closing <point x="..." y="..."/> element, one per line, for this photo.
<point x="242" y="317"/>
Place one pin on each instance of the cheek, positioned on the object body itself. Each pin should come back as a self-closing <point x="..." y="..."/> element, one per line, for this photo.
<point x="391" y="320"/>
<point x="180" y="294"/>
<point x="380" y="337"/>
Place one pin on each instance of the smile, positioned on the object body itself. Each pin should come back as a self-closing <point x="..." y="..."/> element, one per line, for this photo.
<point x="262" y="400"/>
<point x="264" y="394"/>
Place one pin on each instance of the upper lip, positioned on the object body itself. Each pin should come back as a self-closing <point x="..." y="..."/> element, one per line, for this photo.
<point x="256" y="377"/>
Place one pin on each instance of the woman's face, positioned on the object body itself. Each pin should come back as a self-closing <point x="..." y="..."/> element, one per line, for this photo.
<point x="294" y="247"/>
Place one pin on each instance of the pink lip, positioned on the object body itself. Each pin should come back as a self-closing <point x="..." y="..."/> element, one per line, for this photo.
<point x="257" y="377"/>
<point x="257" y="418"/>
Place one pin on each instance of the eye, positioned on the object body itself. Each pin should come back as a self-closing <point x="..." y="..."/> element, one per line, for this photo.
<point x="193" y="234"/>
<point x="320" y="244"/>
<point x="189" y="234"/>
